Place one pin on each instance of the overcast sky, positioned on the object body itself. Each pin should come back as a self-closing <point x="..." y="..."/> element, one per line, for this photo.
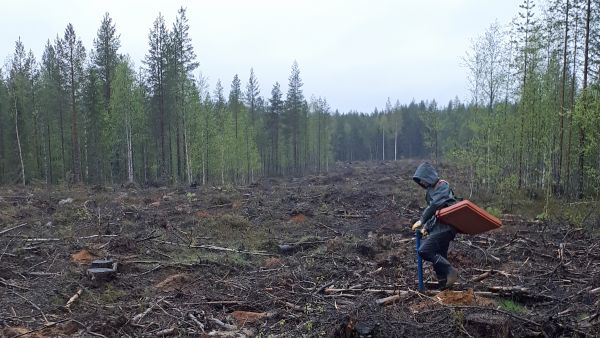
<point x="354" y="53"/>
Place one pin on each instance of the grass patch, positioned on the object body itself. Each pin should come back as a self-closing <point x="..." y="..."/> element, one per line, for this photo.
<point x="234" y="259"/>
<point x="234" y="221"/>
<point x="197" y="255"/>
<point x="111" y="295"/>
<point x="511" y="306"/>
<point x="494" y="211"/>
<point x="232" y="231"/>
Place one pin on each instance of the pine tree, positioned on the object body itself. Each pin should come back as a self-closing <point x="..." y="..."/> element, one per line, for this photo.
<point x="105" y="58"/>
<point x="182" y="65"/>
<point x="72" y="56"/>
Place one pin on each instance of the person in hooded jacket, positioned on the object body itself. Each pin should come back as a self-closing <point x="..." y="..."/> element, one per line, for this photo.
<point x="436" y="235"/>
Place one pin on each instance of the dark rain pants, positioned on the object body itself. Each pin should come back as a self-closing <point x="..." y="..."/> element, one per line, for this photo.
<point x="434" y="248"/>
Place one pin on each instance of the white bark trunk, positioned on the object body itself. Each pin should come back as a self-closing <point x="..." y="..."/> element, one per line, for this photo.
<point x="129" y="149"/>
<point x="204" y="167"/>
<point x="19" y="141"/>
<point x="187" y="153"/>
<point x="396" y="145"/>
<point x="222" y="161"/>
<point x="382" y="144"/>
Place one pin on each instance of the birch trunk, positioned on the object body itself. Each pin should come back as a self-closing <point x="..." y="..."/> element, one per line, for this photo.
<point x="129" y="148"/>
<point x="382" y="143"/>
<point x="187" y="153"/>
<point x="19" y="141"/>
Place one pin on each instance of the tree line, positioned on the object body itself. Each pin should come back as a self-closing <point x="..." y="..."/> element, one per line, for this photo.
<point x="534" y="119"/>
<point x="91" y="116"/>
<point x="77" y="115"/>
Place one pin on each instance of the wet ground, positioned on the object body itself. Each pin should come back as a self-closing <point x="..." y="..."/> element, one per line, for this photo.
<point x="327" y="255"/>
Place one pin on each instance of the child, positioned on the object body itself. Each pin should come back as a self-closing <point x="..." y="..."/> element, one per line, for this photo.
<point x="436" y="236"/>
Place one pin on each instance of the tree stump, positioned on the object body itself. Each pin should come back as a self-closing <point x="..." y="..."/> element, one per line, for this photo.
<point x="101" y="274"/>
<point x="102" y="263"/>
<point x="487" y="325"/>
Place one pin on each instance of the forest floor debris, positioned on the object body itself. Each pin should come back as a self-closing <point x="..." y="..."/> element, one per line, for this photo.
<point x="323" y="255"/>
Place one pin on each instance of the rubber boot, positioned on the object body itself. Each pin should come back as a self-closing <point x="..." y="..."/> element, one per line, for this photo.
<point x="452" y="277"/>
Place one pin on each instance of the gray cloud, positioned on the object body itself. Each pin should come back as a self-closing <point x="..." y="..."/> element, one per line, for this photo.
<point x="354" y="53"/>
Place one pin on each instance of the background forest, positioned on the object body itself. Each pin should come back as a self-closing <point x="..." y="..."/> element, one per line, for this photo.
<point x="91" y="115"/>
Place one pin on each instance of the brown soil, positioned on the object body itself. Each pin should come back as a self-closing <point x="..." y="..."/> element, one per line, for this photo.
<point x="83" y="257"/>
<point x="266" y="260"/>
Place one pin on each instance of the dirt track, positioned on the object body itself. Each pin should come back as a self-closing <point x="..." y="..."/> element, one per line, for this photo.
<point x="284" y="257"/>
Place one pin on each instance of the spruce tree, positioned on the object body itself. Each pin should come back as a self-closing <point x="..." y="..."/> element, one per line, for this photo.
<point x="294" y="117"/>
<point x="72" y="57"/>
<point x="275" y="111"/>
<point x="106" y="47"/>
<point x="156" y="69"/>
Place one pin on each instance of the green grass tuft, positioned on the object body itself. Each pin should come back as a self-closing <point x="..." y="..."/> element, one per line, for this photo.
<point x="511" y="306"/>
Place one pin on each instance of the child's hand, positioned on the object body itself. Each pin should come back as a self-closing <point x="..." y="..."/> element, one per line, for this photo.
<point x="417" y="225"/>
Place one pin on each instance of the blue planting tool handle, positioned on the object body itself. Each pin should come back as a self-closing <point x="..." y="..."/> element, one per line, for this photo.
<point x="419" y="260"/>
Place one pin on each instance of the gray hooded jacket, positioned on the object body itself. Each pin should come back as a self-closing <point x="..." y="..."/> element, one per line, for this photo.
<point x="439" y="195"/>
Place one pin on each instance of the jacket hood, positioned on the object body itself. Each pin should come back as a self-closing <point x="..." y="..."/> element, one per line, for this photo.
<point x="426" y="172"/>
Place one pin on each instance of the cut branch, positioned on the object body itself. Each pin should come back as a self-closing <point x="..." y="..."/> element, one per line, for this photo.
<point x="73" y="299"/>
<point x="13" y="228"/>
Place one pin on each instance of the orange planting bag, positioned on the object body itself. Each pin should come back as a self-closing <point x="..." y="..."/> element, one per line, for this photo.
<point x="468" y="218"/>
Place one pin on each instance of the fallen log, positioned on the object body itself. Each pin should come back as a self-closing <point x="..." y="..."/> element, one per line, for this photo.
<point x="518" y="292"/>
